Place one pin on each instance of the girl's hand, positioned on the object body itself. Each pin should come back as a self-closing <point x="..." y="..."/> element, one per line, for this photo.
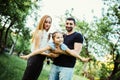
<point x="53" y="55"/>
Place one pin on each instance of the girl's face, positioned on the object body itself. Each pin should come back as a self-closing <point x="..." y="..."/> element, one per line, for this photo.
<point x="47" y="23"/>
<point x="58" y="39"/>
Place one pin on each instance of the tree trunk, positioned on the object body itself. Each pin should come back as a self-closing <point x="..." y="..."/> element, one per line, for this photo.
<point x="13" y="45"/>
<point x="1" y="40"/>
<point x="6" y="34"/>
<point x="2" y="43"/>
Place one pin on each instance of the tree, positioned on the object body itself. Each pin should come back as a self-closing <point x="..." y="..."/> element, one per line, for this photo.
<point x="113" y="14"/>
<point x="12" y="18"/>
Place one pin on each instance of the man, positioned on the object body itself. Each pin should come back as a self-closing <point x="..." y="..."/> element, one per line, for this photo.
<point x="62" y="68"/>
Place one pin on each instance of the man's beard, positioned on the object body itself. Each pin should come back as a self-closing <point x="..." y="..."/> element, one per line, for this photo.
<point x="69" y="29"/>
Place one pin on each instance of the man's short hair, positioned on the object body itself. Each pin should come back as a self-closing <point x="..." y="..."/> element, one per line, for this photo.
<point x="71" y="18"/>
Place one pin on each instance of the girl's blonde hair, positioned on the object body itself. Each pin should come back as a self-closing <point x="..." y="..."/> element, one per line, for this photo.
<point x="40" y="26"/>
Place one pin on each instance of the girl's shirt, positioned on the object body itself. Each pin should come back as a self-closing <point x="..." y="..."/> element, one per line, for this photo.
<point x="53" y="46"/>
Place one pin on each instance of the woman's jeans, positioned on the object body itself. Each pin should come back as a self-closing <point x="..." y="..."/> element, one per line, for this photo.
<point x="60" y="73"/>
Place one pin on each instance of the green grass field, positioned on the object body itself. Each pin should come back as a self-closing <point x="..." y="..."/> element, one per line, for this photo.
<point x="12" y="68"/>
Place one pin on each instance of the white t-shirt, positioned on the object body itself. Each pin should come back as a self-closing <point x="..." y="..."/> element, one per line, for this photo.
<point x="43" y="40"/>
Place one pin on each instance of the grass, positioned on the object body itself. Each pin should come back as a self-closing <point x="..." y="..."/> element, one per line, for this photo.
<point x="12" y="68"/>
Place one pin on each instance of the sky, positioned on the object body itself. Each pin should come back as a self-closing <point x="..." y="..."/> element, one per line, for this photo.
<point x="82" y="9"/>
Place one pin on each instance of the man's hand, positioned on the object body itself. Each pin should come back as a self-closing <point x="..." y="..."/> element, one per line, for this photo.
<point x="58" y="51"/>
<point x="85" y="59"/>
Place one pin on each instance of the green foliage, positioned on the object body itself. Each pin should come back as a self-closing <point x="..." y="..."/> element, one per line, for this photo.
<point x="104" y="71"/>
<point x="104" y="26"/>
<point x="23" y="41"/>
<point x="79" y="68"/>
<point x="12" y="17"/>
<point x="13" y="7"/>
<point x="23" y="45"/>
<point x="11" y="67"/>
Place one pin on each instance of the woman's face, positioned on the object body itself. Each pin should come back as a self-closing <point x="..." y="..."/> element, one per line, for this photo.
<point x="58" y="39"/>
<point x="47" y="23"/>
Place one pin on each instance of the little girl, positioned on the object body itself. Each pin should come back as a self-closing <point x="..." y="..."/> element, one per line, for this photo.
<point x="58" y="45"/>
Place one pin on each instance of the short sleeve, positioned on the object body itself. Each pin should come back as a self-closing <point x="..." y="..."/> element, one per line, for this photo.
<point x="63" y="47"/>
<point x="52" y="45"/>
<point x="78" y="38"/>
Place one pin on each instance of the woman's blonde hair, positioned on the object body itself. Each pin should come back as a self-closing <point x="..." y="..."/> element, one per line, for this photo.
<point x="40" y="26"/>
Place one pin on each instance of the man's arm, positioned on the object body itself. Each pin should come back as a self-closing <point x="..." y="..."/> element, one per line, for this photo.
<point x="75" y="52"/>
<point x="77" y="47"/>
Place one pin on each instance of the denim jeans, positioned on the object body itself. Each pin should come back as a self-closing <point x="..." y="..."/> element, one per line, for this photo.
<point x="60" y="73"/>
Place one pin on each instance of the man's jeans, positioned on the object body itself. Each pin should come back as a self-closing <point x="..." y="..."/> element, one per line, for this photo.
<point x="60" y="73"/>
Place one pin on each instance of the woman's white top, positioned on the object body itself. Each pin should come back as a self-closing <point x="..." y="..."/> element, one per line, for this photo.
<point x="43" y="40"/>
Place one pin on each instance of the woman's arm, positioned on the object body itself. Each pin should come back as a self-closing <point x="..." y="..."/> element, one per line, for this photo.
<point x="38" y="51"/>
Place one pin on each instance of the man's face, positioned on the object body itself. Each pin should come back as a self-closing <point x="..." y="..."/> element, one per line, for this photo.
<point x="69" y="25"/>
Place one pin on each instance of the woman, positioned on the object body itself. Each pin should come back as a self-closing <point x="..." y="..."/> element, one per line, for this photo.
<point x="39" y="40"/>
